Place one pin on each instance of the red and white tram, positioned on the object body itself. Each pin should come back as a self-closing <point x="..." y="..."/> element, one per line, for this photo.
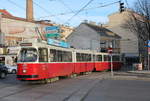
<point x="39" y="61"/>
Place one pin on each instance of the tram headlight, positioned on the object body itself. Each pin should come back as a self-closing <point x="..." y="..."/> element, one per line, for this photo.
<point x="24" y="71"/>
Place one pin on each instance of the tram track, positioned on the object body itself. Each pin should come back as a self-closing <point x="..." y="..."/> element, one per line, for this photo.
<point x="19" y="91"/>
<point x="70" y="97"/>
<point x="26" y="88"/>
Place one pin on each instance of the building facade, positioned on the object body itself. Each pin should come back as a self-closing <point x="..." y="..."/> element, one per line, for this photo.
<point x="132" y="47"/>
<point x="94" y="37"/>
<point x="14" y="30"/>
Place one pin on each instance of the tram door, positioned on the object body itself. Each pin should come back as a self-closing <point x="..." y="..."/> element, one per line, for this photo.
<point x="43" y="60"/>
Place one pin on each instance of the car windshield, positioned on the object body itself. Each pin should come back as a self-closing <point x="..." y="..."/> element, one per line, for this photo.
<point x="1" y="65"/>
<point x="27" y="55"/>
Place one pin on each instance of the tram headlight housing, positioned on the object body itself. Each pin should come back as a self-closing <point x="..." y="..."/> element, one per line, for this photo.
<point x="24" y="71"/>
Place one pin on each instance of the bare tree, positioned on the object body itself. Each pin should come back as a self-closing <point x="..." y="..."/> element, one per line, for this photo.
<point x="139" y="19"/>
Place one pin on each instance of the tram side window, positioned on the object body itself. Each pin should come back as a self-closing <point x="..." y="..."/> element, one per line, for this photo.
<point x="109" y="58"/>
<point x="116" y="58"/>
<point x="99" y="57"/>
<point x="78" y="57"/>
<point x="53" y="56"/>
<point x="56" y="55"/>
<point x="83" y="57"/>
<point x="94" y="58"/>
<point x="106" y="58"/>
<point x="60" y="56"/>
<point x="67" y="56"/>
<point x="43" y="55"/>
<point x="88" y="57"/>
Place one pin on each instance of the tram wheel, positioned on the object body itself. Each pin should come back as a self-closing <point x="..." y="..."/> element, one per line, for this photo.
<point x="47" y="81"/>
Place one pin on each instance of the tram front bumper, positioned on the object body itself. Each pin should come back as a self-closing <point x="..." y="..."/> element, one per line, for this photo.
<point x="27" y="77"/>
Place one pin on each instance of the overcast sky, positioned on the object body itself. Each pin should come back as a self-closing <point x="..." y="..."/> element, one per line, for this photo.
<point x="54" y="9"/>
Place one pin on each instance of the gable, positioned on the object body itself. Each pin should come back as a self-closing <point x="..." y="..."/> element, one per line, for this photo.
<point x="84" y="31"/>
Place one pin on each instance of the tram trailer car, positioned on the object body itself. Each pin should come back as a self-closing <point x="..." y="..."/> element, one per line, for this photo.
<point x="39" y="61"/>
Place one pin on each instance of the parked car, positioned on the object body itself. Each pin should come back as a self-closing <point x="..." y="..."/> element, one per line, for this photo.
<point x="11" y="69"/>
<point x="3" y="71"/>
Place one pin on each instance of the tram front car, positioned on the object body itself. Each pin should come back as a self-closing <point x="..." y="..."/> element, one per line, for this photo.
<point x="28" y="64"/>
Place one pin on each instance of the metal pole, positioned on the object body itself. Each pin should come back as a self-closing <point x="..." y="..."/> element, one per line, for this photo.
<point x="148" y="60"/>
<point x="1" y="40"/>
<point x="148" y="64"/>
<point x="112" y="74"/>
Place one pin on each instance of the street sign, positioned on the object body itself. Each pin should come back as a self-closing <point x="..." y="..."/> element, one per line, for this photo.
<point x="58" y="43"/>
<point x="52" y="28"/>
<point x="148" y="43"/>
<point x="52" y="31"/>
<point x="110" y="50"/>
<point x="50" y="35"/>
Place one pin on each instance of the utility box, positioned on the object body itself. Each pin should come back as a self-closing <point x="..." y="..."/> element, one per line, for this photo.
<point x="138" y="66"/>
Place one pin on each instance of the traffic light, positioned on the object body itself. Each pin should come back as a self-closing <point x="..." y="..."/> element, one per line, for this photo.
<point x="121" y="6"/>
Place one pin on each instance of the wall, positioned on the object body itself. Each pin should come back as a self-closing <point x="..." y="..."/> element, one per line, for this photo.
<point x="84" y="38"/>
<point x="129" y="41"/>
<point x="14" y="31"/>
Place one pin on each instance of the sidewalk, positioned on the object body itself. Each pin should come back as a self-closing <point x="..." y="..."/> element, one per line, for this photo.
<point x="140" y="72"/>
<point x="130" y="73"/>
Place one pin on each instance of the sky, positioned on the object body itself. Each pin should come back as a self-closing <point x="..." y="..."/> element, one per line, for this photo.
<point x="54" y="10"/>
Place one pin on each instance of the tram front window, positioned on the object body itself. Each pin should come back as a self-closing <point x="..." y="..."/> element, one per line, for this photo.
<point x="28" y="55"/>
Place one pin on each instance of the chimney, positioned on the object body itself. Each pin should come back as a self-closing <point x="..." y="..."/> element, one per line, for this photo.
<point x="92" y="22"/>
<point x="29" y="10"/>
<point x="85" y="21"/>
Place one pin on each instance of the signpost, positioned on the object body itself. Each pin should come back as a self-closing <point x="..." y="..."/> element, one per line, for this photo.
<point x="110" y="53"/>
<point x="148" y="54"/>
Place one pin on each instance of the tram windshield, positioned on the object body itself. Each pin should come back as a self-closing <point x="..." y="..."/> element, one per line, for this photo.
<point x="28" y="55"/>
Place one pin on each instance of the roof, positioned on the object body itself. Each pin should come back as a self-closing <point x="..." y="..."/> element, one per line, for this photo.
<point x="102" y="31"/>
<point x="5" y="12"/>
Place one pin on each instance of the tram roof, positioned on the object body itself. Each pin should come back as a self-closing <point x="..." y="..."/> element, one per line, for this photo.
<point x="45" y="45"/>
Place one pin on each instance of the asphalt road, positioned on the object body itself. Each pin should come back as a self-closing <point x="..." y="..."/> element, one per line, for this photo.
<point x="93" y="87"/>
